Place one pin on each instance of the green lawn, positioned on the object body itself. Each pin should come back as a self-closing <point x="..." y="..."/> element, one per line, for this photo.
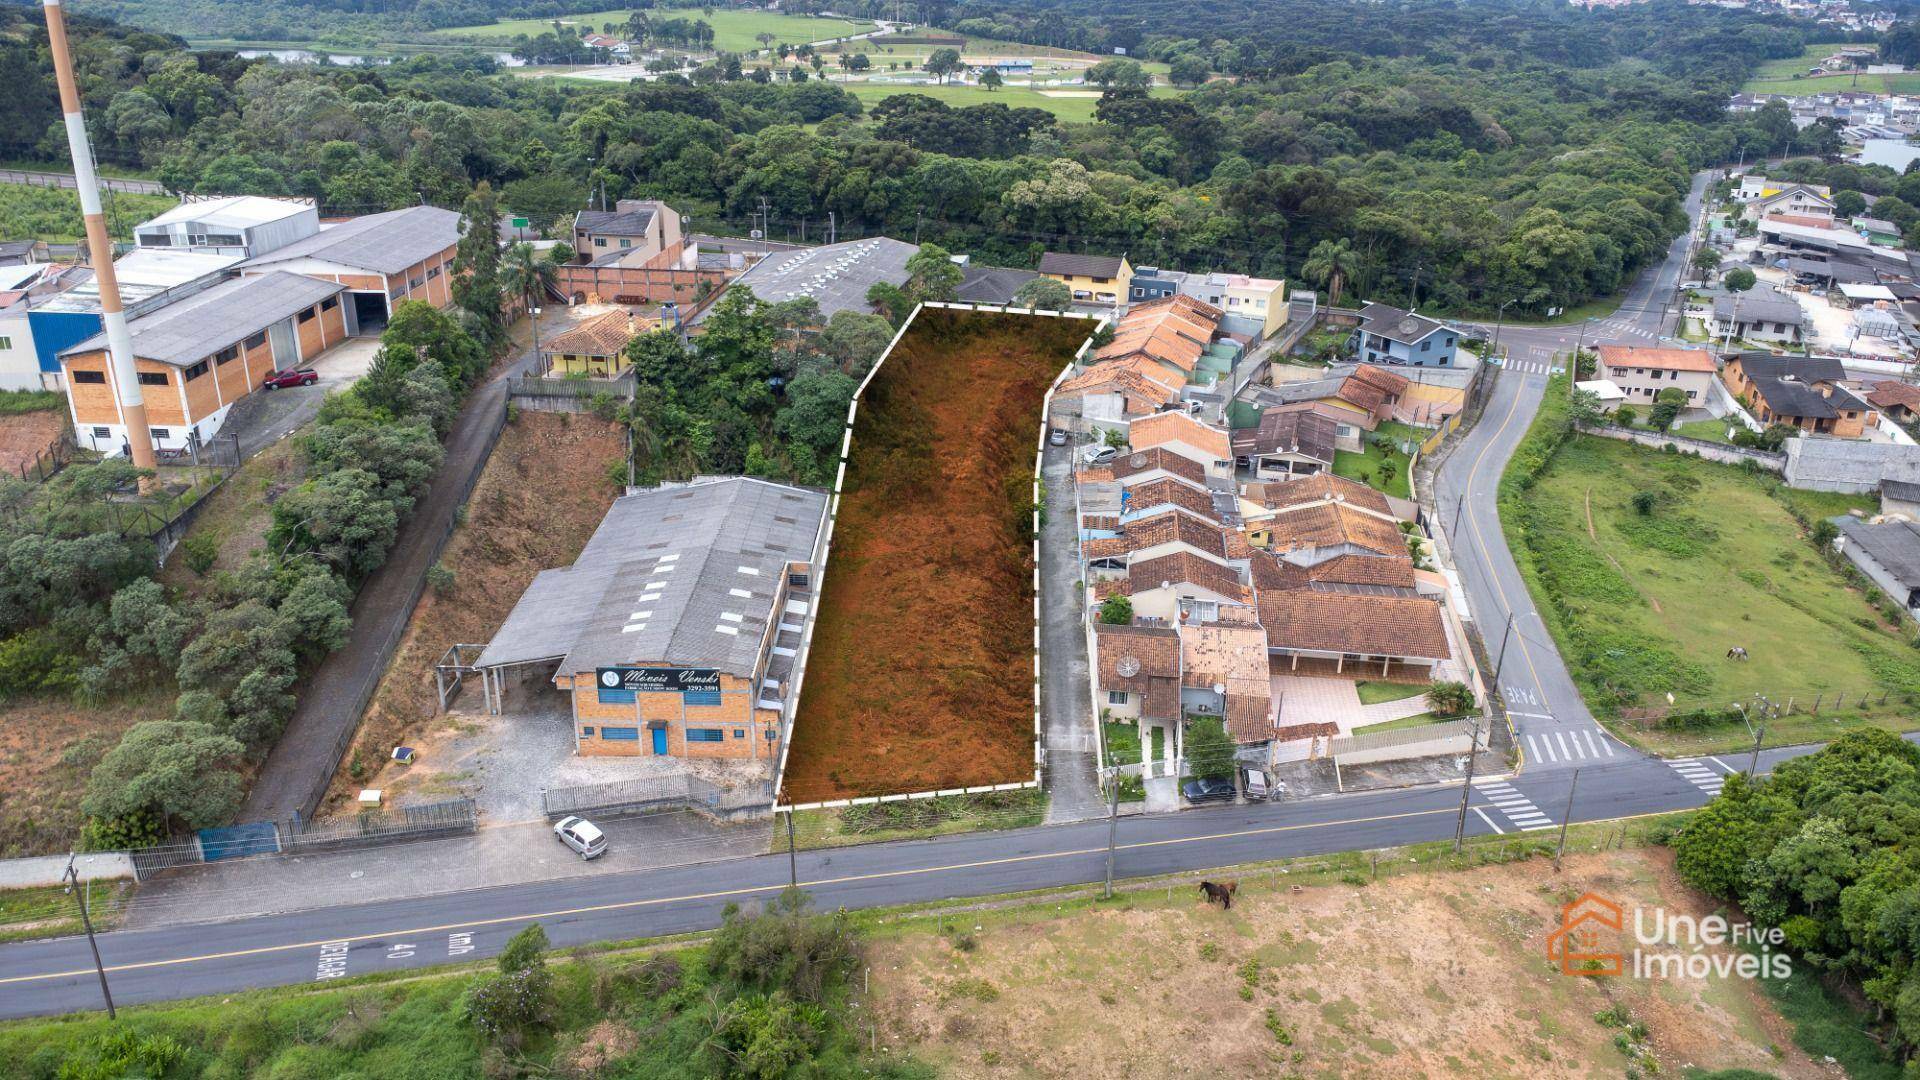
<point x="50" y="912"/>
<point x="1418" y="720"/>
<point x="733" y="30"/>
<point x="1123" y="743"/>
<point x="1365" y="467"/>
<point x="1373" y="693"/>
<point x="1650" y="603"/>
<point x="1070" y="109"/>
<point x="1789" y="76"/>
<point x="1710" y="430"/>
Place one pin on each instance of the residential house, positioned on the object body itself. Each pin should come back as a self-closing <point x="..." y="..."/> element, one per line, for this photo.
<point x="382" y="259"/>
<point x="1802" y="391"/>
<point x="635" y="229"/>
<point x="1137" y="679"/>
<point x="1878" y="231"/>
<point x="1157" y="463"/>
<point x="1642" y="372"/>
<point x="1887" y="552"/>
<point x="1223" y="673"/>
<point x="1347" y="427"/>
<point x="1256" y="305"/>
<point x="1193" y="439"/>
<point x="197" y="356"/>
<point x="1098" y="279"/>
<point x="982" y="284"/>
<point x="1285" y="444"/>
<point x="1762" y="314"/>
<point x="1754" y="186"/>
<point x="1326" y="625"/>
<point x="18" y="252"/>
<point x="1105" y="395"/>
<point x="1367" y="396"/>
<point x="1898" y="401"/>
<point x="617" y="51"/>
<point x="836" y="277"/>
<point x="1183" y="587"/>
<point x="595" y="348"/>
<point x="243" y="225"/>
<point x="1150" y="283"/>
<point x="1152" y="537"/>
<point x="1175" y="332"/>
<point x="1798" y="204"/>
<point x="1388" y="335"/>
<point x="677" y="630"/>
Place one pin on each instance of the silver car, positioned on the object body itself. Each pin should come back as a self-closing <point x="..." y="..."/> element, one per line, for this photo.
<point x="583" y="836"/>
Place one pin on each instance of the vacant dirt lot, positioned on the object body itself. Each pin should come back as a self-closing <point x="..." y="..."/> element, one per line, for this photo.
<point x="1427" y="974"/>
<point x="47" y="748"/>
<point x="921" y="668"/>
<point x="543" y="493"/>
<point x="23" y="435"/>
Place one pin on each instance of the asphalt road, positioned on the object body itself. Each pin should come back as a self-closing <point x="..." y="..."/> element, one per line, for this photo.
<point x="1551" y="723"/>
<point x="56" y="976"/>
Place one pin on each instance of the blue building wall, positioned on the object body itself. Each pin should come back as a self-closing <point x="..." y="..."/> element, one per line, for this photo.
<point x="1437" y="349"/>
<point x="57" y="330"/>
<point x="1144" y="287"/>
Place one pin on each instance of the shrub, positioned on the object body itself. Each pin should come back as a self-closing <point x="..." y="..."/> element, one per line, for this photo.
<point x="1625" y="416"/>
<point x="175" y="771"/>
<point x="1644" y="502"/>
<point x="37" y="661"/>
<point x="1209" y="750"/>
<point x="787" y="947"/>
<point x="440" y="578"/>
<point x="520" y="999"/>
<point x="1116" y="610"/>
<point x="199" y="550"/>
<point x="1450" y="698"/>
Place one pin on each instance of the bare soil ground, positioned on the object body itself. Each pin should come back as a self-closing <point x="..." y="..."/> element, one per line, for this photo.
<point x="543" y="493"/>
<point x="920" y="674"/>
<point x="238" y="515"/>
<point x="1431" y="973"/>
<point x="47" y="748"/>
<point x="22" y="435"/>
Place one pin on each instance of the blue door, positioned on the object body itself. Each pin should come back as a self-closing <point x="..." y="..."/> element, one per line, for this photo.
<point x="660" y="741"/>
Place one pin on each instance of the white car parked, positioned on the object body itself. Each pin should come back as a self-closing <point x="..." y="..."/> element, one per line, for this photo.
<point x="583" y="836"/>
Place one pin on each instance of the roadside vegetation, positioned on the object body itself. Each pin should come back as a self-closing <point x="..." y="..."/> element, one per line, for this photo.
<point x="30" y="212"/>
<point x="765" y="996"/>
<point x="1650" y="566"/>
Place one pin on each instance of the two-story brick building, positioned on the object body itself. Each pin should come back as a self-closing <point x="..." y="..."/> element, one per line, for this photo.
<point x="676" y="632"/>
<point x="1642" y="372"/>
<point x="199" y="355"/>
<point x="1094" y="279"/>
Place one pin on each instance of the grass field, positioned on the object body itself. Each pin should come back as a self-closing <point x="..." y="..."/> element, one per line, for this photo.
<point x="1790" y="76"/>
<point x="1647" y="604"/>
<point x="1365" y="467"/>
<point x="1710" y="430"/>
<point x="733" y="31"/>
<point x="27" y="914"/>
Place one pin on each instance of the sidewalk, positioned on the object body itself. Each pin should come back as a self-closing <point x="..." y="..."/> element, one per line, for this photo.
<point x="1065" y="692"/>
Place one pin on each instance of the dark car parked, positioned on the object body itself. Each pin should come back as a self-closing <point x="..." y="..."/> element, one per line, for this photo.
<point x="293" y="377"/>
<point x="1207" y="790"/>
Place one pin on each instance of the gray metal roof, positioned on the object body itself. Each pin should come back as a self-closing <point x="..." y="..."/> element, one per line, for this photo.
<point x="383" y="243"/>
<point x="189" y="330"/>
<point x="992" y="284"/>
<point x="1067" y="263"/>
<point x="1397" y="325"/>
<point x="1760" y="307"/>
<point x="1894" y="544"/>
<point x="683" y="574"/>
<point x="614" y="222"/>
<point x="837" y="276"/>
<point x="1821" y="463"/>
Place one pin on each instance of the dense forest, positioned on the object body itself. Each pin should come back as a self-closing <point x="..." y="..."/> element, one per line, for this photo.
<point x="1460" y="154"/>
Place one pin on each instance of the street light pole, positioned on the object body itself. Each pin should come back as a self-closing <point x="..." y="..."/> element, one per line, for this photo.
<point x="1466" y="789"/>
<point x="1113" y="818"/>
<point x="72" y="878"/>
<point x="1500" y="664"/>
<point x="1499" y="320"/>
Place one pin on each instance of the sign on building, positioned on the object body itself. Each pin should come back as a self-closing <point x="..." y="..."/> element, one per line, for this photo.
<point x="657" y="680"/>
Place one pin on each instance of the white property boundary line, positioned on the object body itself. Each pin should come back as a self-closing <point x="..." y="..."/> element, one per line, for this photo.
<point x="825" y="545"/>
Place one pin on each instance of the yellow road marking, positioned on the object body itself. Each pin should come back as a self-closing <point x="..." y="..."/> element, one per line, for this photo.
<point x="625" y="904"/>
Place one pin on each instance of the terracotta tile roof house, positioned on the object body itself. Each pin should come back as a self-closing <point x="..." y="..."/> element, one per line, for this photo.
<point x="1309" y="435"/>
<point x="1235" y="658"/>
<point x="1144" y="661"/>
<point x="601" y="338"/>
<point x="1390" y="571"/>
<point x="1634" y="356"/>
<point x="1184" y="567"/>
<point x="1170" y="331"/>
<point x="1896" y="399"/>
<point x="1376" y="629"/>
<point x="1143" y="385"/>
<point x="1140" y="499"/>
<point x="1332" y="528"/>
<point x="1182" y="434"/>
<point x="1368" y="383"/>
<point x="1804" y="391"/>
<point x="1324" y="488"/>
<point x="1157" y="461"/>
<point x="1175" y="527"/>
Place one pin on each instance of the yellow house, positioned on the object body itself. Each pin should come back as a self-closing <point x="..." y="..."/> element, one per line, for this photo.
<point x="1095" y="279"/>
<point x="596" y="348"/>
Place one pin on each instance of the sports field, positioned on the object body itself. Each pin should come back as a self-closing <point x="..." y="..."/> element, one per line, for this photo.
<point x="733" y="31"/>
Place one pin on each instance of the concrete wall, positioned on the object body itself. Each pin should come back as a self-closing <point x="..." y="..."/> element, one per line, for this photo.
<point x="1712" y="451"/>
<point x="628" y="284"/>
<point x="44" y="870"/>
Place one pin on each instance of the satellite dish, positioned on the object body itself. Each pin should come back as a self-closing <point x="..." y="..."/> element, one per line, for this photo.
<point x="1220" y="688"/>
<point x="1409" y="326"/>
<point x="1139" y="461"/>
<point x="1128" y="667"/>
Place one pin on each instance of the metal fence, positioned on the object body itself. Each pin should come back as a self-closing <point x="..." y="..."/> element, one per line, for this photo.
<point x="619" y="387"/>
<point x="1763" y="707"/>
<point x="658" y="795"/>
<point x="297" y="836"/>
<point x="45" y="463"/>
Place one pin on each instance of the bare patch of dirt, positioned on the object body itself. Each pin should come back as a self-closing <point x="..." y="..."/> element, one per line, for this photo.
<point x="24" y="435"/>
<point x="1426" y="974"/>
<point x="543" y="492"/>
<point x="921" y="670"/>
<point x="47" y="748"/>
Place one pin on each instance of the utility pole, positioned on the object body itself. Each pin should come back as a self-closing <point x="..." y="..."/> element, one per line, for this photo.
<point x="72" y="878"/>
<point x="1565" y="818"/>
<point x="1499" y="320"/>
<point x="1500" y="664"/>
<point x="793" y="860"/>
<point x="1753" y="762"/>
<point x="126" y="380"/>
<point x="833" y="234"/>
<point x="1466" y="789"/>
<point x="1113" y="813"/>
<point x="918" y="213"/>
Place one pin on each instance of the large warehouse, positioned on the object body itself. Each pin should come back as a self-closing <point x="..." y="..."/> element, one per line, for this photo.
<point x="677" y="629"/>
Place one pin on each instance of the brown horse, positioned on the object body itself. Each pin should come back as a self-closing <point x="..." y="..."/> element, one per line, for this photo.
<point x="1220" y="893"/>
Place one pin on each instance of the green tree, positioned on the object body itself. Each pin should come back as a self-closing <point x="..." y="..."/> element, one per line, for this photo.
<point x="1739" y="279"/>
<point x="854" y="340"/>
<point x="139" y="640"/>
<point x="1209" y="749"/>
<point x="1585" y="408"/>
<point x="1849" y="204"/>
<point x="526" y="275"/>
<point x="941" y="64"/>
<point x="340" y="517"/>
<point x="1116" y="74"/>
<point x="1706" y="260"/>
<point x="181" y="772"/>
<point x="1330" y="263"/>
<point x="544" y="199"/>
<point x="1450" y="698"/>
<point x="1117" y="610"/>
<point x="476" y="265"/>
<point x="1187" y="69"/>
<point x="814" y="420"/>
<point x="1044" y="294"/>
<point x="1667" y="406"/>
<point x="990" y="78"/>
<point x="932" y="274"/>
<point x="891" y="301"/>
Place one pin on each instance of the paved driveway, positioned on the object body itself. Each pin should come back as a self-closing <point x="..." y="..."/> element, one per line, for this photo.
<point x="264" y="417"/>
<point x="1065" y="693"/>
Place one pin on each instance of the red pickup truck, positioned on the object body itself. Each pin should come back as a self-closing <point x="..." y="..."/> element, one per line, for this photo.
<point x="291" y="377"/>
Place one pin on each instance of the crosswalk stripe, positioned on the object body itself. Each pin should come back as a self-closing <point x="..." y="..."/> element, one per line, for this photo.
<point x="1562" y="740"/>
<point x="1590" y="743"/>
